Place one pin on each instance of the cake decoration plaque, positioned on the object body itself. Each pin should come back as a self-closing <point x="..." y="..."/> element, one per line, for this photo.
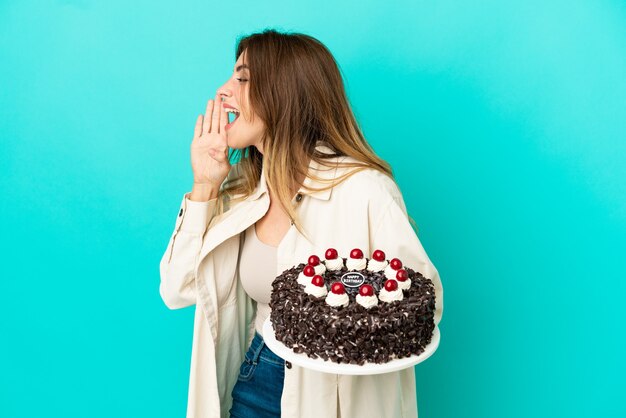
<point x="352" y="279"/>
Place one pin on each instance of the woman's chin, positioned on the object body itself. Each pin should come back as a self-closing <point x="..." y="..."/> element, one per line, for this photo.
<point x="233" y="145"/>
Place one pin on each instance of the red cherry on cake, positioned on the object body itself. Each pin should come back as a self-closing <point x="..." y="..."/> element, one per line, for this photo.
<point x="337" y="288"/>
<point x="402" y="275"/>
<point x="378" y="255"/>
<point x="331" y="254"/>
<point x="391" y="285"/>
<point x="356" y="253"/>
<point x="317" y="280"/>
<point x="309" y="271"/>
<point x="366" y="290"/>
<point x="314" y="260"/>
<point x="395" y="264"/>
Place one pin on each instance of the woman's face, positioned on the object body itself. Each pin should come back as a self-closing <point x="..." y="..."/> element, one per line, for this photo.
<point x="243" y="132"/>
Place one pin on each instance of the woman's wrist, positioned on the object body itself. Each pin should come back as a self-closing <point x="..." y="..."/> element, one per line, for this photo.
<point x="203" y="192"/>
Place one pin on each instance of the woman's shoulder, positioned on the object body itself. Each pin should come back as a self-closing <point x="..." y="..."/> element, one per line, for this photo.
<point x="367" y="183"/>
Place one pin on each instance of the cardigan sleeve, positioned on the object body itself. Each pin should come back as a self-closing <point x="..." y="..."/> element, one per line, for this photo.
<point x="178" y="263"/>
<point x="394" y="235"/>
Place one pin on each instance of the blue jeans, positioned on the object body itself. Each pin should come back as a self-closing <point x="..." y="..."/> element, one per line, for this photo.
<point x="259" y="386"/>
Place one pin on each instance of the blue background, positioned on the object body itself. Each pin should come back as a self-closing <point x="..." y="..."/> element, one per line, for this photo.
<point x="505" y="123"/>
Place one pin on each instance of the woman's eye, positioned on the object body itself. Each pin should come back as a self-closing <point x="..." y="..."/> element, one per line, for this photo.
<point x="241" y="80"/>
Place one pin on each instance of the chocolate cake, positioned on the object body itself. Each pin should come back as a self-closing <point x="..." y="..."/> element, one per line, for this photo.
<point x="353" y="310"/>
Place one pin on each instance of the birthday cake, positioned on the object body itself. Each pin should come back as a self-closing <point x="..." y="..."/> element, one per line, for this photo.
<point x="353" y="310"/>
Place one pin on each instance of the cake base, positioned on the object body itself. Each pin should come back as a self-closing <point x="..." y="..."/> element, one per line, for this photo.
<point x="328" y="366"/>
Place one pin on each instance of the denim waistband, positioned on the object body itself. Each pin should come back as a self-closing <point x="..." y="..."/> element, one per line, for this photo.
<point x="259" y="351"/>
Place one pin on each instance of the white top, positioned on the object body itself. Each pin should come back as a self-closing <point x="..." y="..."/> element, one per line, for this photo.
<point x="257" y="271"/>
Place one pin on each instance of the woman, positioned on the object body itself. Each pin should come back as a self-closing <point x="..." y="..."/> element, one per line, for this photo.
<point x="306" y="180"/>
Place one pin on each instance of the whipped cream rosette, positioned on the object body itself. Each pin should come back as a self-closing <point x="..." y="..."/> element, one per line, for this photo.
<point x="356" y="260"/>
<point x="377" y="262"/>
<point x="403" y="279"/>
<point x="332" y="261"/>
<point x="320" y="269"/>
<point x="391" y="292"/>
<point x="366" y="296"/>
<point x="316" y="287"/>
<point x="337" y="295"/>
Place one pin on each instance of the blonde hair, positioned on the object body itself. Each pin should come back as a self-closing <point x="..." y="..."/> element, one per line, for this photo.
<point x="296" y="88"/>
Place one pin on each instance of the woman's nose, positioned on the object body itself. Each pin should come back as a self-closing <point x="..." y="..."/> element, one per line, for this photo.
<point x="224" y="93"/>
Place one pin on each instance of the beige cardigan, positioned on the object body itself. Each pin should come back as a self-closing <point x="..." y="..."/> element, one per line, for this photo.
<point x="199" y="267"/>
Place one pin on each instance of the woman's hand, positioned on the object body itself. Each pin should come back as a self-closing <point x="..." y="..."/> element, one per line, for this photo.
<point x="209" y="148"/>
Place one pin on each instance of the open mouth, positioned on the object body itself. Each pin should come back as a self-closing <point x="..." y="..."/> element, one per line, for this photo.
<point x="233" y="114"/>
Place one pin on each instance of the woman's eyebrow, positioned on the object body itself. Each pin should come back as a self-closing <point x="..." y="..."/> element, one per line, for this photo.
<point x="240" y="67"/>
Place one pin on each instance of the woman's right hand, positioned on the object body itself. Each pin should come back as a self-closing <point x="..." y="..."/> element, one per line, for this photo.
<point x="209" y="148"/>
